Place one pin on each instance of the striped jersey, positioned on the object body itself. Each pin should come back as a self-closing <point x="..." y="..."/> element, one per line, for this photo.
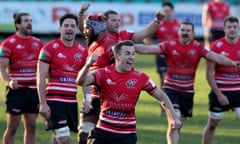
<point x="64" y="64"/>
<point x="22" y="54"/>
<point x="227" y="77"/>
<point x="167" y="31"/>
<point x="182" y="61"/>
<point x="217" y="13"/>
<point x="118" y="96"/>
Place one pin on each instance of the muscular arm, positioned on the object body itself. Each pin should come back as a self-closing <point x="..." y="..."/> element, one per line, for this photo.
<point x="84" y="76"/>
<point x="149" y="30"/>
<point x="205" y="16"/>
<point x="3" y="67"/>
<point x="42" y="74"/>
<point x="168" y="107"/>
<point x="222" y="60"/>
<point x="150" y="49"/>
<point x="83" y="8"/>
<point x="210" y="68"/>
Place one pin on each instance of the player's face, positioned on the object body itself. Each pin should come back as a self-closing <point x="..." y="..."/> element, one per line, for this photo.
<point x="25" y="28"/>
<point x="231" y="30"/>
<point x="113" y="23"/>
<point x="68" y="29"/>
<point x="168" y="12"/>
<point x="88" y="34"/>
<point x="126" y="58"/>
<point x="185" y="33"/>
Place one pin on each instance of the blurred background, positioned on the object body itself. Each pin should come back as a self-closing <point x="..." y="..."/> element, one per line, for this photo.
<point x="134" y="14"/>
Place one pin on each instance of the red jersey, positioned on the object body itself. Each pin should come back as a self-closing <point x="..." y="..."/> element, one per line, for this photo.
<point x="227" y="77"/>
<point x="22" y="54"/>
<point x="64" y="64"/>
<point x="104" y="49"/>
<point x="167" y="31"/>
<point x="119" y="95"/>
<point x="123" y="35"/>
<point x="182" y="61"/>
<point x="217" y="13"/>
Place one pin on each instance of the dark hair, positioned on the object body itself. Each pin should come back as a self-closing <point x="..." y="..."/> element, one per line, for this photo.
<point x="169" y="4"/>
<point x="66" y="16"/>
<point x="231" y="19"/>
<point x="188" y="23"/>
<point x="18" y="17"/>
<point x="107" y="13"/>
<point x="119" y="45"/>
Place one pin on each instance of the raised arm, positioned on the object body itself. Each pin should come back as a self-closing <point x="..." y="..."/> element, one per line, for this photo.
<point x="150" y="29"/>
<point x="210" y="68"/>
<point x="81" y="12"/>
<point x="84" y="77"/>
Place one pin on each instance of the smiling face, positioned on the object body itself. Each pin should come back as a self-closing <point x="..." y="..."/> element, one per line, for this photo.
<point x="68" y="29"/>
<point x="113" y="23"/>
<point x="231" y="30"/>
<point x="125" y="58"/>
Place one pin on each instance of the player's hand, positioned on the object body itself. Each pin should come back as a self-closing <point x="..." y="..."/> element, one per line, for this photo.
<point x="44" y="110"/>
<point x="159" y="15"/>
<point x="222" y="99"/>
<point x="13" y="84"/>
<point x="176" y="123"/>
<point x="86" y="105"/>
<point x="92" y="59"/>
<point x="84" y="7"/>
<point x="237" y="64"/>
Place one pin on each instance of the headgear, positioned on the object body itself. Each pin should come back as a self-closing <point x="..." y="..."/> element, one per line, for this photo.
<point x="96" y="22"/>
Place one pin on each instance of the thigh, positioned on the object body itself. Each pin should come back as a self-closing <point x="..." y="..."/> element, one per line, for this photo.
<point x="161" y="64"/>
<point x="15" y="101"/>
<point x="186" y="104"/>
<point x="214" y="105"/>
<point x="32" y="101"/>
<point x="58" y="117"/>
<point x="72" y="117"/>
<point x="174" y="97"/>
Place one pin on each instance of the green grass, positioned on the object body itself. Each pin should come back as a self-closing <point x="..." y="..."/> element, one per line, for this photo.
<point x="151" y="129"/>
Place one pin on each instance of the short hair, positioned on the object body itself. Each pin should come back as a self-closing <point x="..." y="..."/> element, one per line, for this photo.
<point x="169" y="4"/>
<point x="230" y="19"/>
<point x="107" y="13"/>
<point x="66" y="16"/>
<point x="119" y="45"/>
<point x="188" y="23"/>
<point x="18" y="17"/>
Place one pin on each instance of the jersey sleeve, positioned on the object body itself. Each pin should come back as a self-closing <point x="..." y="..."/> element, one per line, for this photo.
<point x="5" y="49"/>
<point x="126" y="35"/>
<point x="149" y="85"/>
<point x="46" y="54"/>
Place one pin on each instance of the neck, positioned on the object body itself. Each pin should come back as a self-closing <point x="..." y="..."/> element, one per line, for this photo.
<point x="67" y="43"/>
<point x="21" y="35"/>
<point x="169" y="19"/>
<point x="232" y="41"/>
<point x="100" y="35"/>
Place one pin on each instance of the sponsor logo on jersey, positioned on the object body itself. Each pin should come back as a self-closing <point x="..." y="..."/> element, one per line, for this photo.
<point x="131" y="82"/>
<point x="110" y="82"/>
<point x="77" y="56"/>
<point x="19" y="46"/>
<point x="60" y="55"/>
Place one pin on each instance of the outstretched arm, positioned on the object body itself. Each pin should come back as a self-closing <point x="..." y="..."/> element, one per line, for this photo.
<point x="148" y="49"/>
<point x="222" y="60"/>
<point x="150" y="29"/>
